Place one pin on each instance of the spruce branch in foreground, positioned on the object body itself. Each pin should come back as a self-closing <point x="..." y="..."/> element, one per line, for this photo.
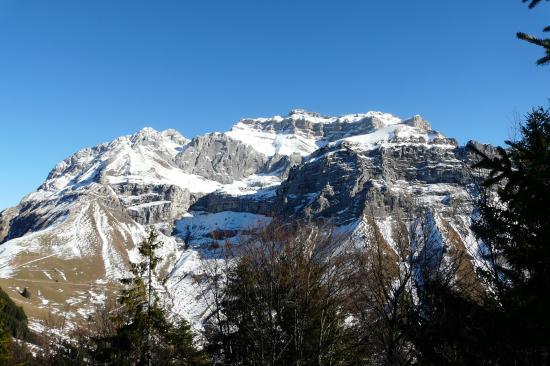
<point x="544" y="43"/>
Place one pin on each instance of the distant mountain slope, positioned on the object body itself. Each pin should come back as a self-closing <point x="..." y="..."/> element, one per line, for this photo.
<point x="70" y="240"/>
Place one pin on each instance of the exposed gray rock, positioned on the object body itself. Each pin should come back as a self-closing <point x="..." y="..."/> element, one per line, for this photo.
<point x="153" y="204"/>
<point x="342" y="183"/>
<point x="217" y="157"/>
<point x="418" y="122"/>
<point x="6" y="218"/>
<point x="280" y="165"/>
<point x="262" y="203"/>
<point x="297" y="122"/>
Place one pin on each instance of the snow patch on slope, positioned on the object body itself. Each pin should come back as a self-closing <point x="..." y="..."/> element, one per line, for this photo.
<point x="196" y="227"/>
<point x="270" y="142"/>
<point x="112" y="262"/>
<point x="304" y="132"/>
<point x="252" y="185"/>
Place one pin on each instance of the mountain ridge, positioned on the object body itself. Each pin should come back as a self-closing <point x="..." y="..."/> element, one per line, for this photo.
<point x="81" y="226"/>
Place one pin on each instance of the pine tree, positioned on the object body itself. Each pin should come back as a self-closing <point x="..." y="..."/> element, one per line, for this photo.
<point x="514" y="227"/>
<point x="532" y="3"/>
<point x="544" y="43"/>
<point x="5" y="345"/>
<point x="13" y="317"/>
<point x="517" y="227"/>
<point x="141" y="298"/>
<point x="144" y="335"/>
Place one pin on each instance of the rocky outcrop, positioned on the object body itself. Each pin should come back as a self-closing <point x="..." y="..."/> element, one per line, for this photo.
<point x="153" y="204"/>
<point x="262" y="203"/>
<point x="218" y="157"/>
<point x="6" y="218"/>
<point x="280" y="165"/>
<point x="344" y="183"/>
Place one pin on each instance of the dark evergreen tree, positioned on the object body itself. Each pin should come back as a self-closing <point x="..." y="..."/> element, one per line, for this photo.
<point x="544" y="43"/>
<point x="5" y="345"/>
<point x="143" y="335"/>
<point x="13" y="317"/>
<point x="447" y="327"/>
<point x="13" y="325"/>
<point x="532" y="3"/>
<point x="514" y="226"/>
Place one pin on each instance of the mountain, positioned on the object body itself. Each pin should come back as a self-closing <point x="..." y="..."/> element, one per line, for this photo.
<point x="71" y="240"/>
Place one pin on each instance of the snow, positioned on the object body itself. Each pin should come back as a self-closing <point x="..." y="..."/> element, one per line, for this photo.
<point x="10" y="249"/>
<point x="270" y="142"/>
<point x="146" y="157"/>
<point x="148" y="204"/>
<point x="256" y="183"/>
<point x="112" y="261"/>
<point x="186" y="296"/>
<point x="142" y="165"/>
<point x="396" y="134"/>
<point x="197" y="226"/>
<point x="61" y="273"/>
<point x="192" y="182"/>
<point x="316" y="118"/>
<point x="273" y="135"/>
<point x="431" y="195"/>
<point x="265" y="135"/>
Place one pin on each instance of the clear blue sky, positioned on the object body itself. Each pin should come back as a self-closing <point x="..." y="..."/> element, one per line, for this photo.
<point x="77" y="73"/>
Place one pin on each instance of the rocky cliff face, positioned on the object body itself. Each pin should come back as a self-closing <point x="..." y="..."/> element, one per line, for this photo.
<point x="70" y="240"/>
<point x="220" y="158"/>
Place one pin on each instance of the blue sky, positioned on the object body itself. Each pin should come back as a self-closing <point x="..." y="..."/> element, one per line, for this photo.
<point x="77" y="73"/>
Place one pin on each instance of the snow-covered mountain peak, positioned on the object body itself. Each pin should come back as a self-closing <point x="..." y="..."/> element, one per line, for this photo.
<point x="151" y="157"/>
<point x="148" y="135"/>
<point x="303" y="115"/>
<point x="147" y="131"/>
<point x="146" y="156"/>
<point x="175" y="136"/>
<point x="303" y="132"/>
<point x="418" y="122"/>
<point x="312" y="118"/>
